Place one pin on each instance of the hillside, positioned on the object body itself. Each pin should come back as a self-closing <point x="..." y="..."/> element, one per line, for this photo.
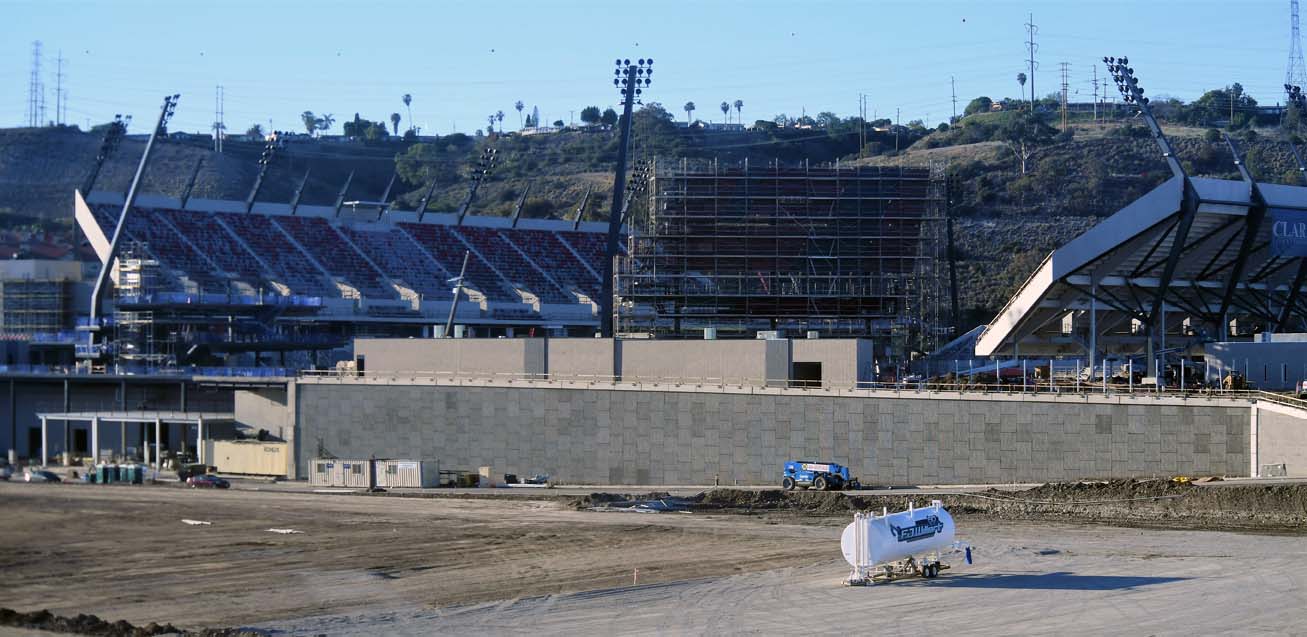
<point x="1006" y="221"/>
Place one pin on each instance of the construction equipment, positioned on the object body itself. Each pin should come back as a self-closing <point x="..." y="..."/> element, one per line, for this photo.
<point x="822" y="476"/>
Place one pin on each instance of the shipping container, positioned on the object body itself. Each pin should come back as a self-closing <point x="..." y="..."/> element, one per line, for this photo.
<point x="251" y="457"/>
<point x="336" y="472"/>
<point x="408" y="473"/>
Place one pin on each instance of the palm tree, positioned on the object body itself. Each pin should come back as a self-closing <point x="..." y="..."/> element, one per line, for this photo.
<point x="394" y="122"/>
<point x="726" y="111"/>
<point x="499" y="117"/>
<point x="689" y="111"/>
<point x="490" y="123"/>
<point x="519" y="106"/>
<point x="739" y="106"/>
<point x="408" y="99"/>
<point x="1021" y="79"/>
<point x="326" y="122"/>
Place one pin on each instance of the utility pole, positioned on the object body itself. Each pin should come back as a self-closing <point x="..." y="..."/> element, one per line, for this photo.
<point x="630" y="80"/>
<point x="59" y="89"/>
<point x="1095" y="93"/>
<point x="953" y="84"/>
<point x="1032" y="30"/>
<point x="1066" y="66"/>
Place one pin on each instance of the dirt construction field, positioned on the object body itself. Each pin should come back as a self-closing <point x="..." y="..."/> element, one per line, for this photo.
<point x="362" y="565"/>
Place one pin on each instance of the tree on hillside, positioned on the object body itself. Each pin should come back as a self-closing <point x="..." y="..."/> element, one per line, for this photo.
<point x="739" y="105"/>
<point x="609" y="118"/>
<point x="979" y="105"/>
<point x="324" y="123"/>
<point x="394" y="121"/>
<point x="254" y="132"/>
<point x="689" y="111"/>
<point x="310" y="121"/>
<point x="490" y="123"/>
<point x="590" y="115"/>
<point x="558" y="123"/>
<point x="1021" y="79"/>
<point x="499" y="119"/>
<point x="424" y="162"/>
<point x="519" y="106"/>
<point x="726" y="111"/>
<point x="1231" y="104"/>
<point x="1025" y="135"/>
<point x="408" y="99"/>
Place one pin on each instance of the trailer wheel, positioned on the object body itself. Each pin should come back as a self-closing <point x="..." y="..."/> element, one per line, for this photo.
<point x="820" y="483"/>
<point x="787" y="483"/>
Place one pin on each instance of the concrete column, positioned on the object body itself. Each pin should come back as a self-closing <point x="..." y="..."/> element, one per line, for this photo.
<point x="199" y="441"/>
<point x="122" y="439"/>
<point x="95" y="440"/>
<point x="45" y="450"/>
<point x="158" y="427"/>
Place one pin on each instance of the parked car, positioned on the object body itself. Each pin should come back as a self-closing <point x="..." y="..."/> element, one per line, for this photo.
<point x="207" y="481"/>
<point x="40" y="475"/>
<point x="6" y="472"/>
<point x="1302" y="389"/>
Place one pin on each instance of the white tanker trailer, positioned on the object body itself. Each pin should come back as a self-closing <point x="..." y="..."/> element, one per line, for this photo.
<point x="891" y="545"/>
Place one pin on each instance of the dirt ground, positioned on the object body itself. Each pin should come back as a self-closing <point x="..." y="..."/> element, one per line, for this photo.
<point x="742" y="562"/>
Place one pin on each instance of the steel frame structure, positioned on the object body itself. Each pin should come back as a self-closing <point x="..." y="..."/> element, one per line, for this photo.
<point x="850" y="251"/>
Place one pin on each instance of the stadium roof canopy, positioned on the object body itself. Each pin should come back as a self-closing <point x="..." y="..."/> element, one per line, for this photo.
<point x="1104" y="290"/>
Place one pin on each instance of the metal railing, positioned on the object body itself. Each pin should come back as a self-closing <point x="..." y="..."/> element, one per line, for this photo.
<point x="771" y="385"/>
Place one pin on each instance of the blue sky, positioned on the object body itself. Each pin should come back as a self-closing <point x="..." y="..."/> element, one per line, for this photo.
<point x="461" y="61"/>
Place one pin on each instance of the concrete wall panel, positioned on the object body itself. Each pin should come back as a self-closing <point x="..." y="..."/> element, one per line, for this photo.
<point x="600" y="436"/>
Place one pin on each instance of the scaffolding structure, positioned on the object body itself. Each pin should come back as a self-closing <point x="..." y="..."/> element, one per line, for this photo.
<point x="852" y="251"/>
<point x="135" y="335"/>
<point x="34" y="305"/>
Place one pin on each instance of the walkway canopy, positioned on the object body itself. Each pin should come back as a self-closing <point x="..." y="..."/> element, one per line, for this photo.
<point x="1153" y="270"/>
<point x="159" y="418"/>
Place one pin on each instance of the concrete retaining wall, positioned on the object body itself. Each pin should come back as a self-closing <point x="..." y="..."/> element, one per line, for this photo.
<point x="634" y="436"/>
<point x="1281" y="439"/>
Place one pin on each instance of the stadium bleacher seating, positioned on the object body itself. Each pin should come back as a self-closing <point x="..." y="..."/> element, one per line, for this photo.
<point x="336" y="255"/>
<point x="208" y="236"/>
<point x="402" y="259"/>
<point x="547" y="250"/>
<point x="448" y="250"/>
<point x="290" y="265"/>
<point x="510" y="263"/>
<point x="305" y="253"/>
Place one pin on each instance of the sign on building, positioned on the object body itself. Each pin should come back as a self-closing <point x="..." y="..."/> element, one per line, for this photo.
<point x="1288" y="233"/>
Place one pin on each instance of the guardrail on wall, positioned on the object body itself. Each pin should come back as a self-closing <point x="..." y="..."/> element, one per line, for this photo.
<point x="765" y="385"/>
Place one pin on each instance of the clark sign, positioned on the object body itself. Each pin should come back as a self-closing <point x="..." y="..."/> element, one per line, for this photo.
<point x="1289" y="233"/>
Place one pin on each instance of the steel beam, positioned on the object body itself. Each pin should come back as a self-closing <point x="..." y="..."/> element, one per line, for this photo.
<point x="1252" y="223"/>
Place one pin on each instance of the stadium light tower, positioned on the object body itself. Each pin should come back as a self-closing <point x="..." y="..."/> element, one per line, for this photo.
<point x="270" y="149"/>
<point x="97" y="294"/>
<point x="630" y="80"/>
<point x="1132" y="93"/>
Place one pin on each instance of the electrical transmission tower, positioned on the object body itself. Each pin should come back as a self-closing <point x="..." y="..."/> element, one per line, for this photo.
<point x="1296" y="73"/>
<point x="34" y="98"/>
<point x="219" y="127"/>
<point x="1032" y="31"/>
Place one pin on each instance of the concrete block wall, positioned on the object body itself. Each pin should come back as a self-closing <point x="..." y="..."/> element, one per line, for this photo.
<point x="629" y="436"/>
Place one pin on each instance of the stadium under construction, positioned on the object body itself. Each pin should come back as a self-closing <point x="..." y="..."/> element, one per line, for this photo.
<point x="764" y="312"/>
